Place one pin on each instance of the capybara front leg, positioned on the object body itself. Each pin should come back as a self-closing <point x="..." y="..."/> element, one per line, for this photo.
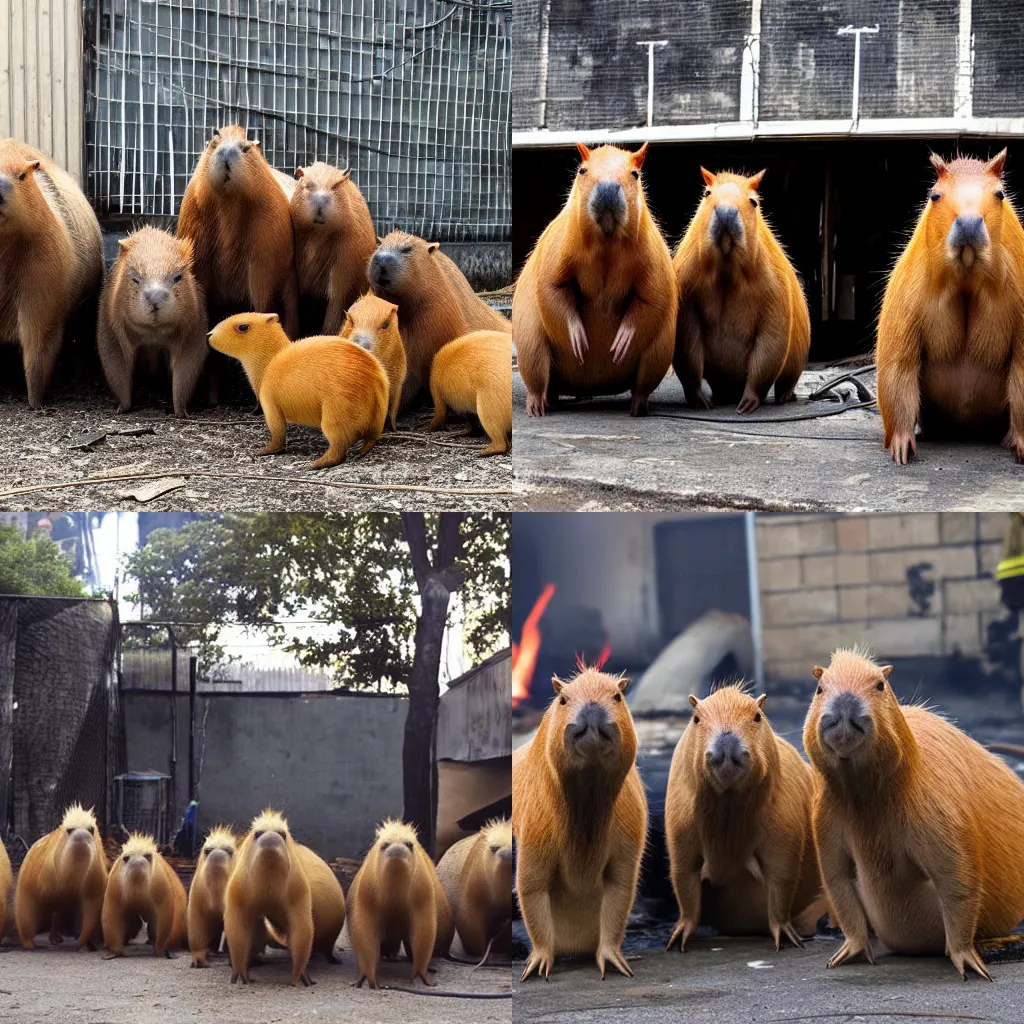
<point x="1014" y="439"/>
<point x="26" y="918"/>
<point x="688" y="357"/>
<point x="118" y="364"/>
<point x="957" y="880"/>
<point x="238" y="935"/>
<point x="898" y="355"/>
<point x="366" y="942"/>
<point x="92" y="907"/>
<point x="615" y="904"/>
<point x="186" y="366"/>
<point x="762" y="366"/>
<point x="300" y="944"/>
<point x="535" y="903"/>
<point x="780" y="869"/>
<point x="290" y="307"/>
<point x="651" y="370"/>
<point x="533" y="352"/>
<point x="686" y="883"/>
<point x="276" y="424"/>
<point x="113" y="929"/>
<point x="41" y="349"/>
<point x="421" y="940"/>
<point x="838" y="874"/>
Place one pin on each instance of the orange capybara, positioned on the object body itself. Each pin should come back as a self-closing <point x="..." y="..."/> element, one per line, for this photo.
<point x="473" y="374"/>
<point x="743" y="322"/>
<point x="738" y="825"/>
<point x="594" y="310"/>
<point x="436" y="303"/>
<point x="237" y="217"/>
<point x="372" y="322"/>
<point x="949" y="352"/>
<point x="918" y="828"/>
<point x="319" y="382"/>
<point x="334" y="239"/>
<point x="579" y="817"/>
<point x="51" y="258"/>
<point x="151" y="298"/>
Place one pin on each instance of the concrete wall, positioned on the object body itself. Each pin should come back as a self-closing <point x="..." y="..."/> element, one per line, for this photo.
<point x="332" y="763"/>
<point x="474" y="720"/>
<point x="907" y="586"/>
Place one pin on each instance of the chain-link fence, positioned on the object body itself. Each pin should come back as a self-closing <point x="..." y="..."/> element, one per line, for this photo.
<point x="413" y="95"/>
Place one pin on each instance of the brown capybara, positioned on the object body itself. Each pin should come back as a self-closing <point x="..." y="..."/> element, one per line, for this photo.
<point x="918" y="828"/>
<point x="743" y="322"/>
<point x="949" y="354"/>
<point x="319" y="382"/>
<point x="142" y="886"/>
<point x="51" y="258"/>
<point x="206" y="894"/>
<point x="738" y="825"/>
<point x="62" y="879"/>
<point x="334" y="239"/>
<point x="579" y="816"/>
<point x="236" y="214"/>
<point x="372" y="323"/>
<point x="436" y="304"/>
<point x="476" y="875"/>
<point x="473" y="374"/>
<point x="268" y="881"/>
<point x="594" y="309"/>
<point x="151" y="298"/>
<point x="5" y="887"/>
<point x="396" y="899"/>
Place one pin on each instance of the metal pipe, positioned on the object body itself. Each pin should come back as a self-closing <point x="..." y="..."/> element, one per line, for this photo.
<point x="193" y="672"/>
<point x="755" y="595"/>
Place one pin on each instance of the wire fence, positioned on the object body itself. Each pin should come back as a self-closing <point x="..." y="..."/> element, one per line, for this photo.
<point x="413" y="95"/>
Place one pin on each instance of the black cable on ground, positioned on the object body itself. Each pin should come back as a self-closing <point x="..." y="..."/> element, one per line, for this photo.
<point x="446" y="995"/>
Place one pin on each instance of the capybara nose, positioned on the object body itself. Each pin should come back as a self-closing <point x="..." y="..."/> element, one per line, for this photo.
<point x="505" y="854"/>
<point x="968" y="230"/>
<point x="382" y="266"/>
<point x="844" y="723"/>
<point x="727" y="754"/>
<point x="363" y="339"/>
<point x="608" y="205"/>
<point x="320" y="203"/>
<point x="726" y="221"/>
<point x="397" y="851"/>
<point x="591" y="716"/>
<point x="156" y="296"/>
<point x="81" y="835"/>
<point x="270" y="841"/>
<point x="227" y="154"/>
<point x="218" y="858"/>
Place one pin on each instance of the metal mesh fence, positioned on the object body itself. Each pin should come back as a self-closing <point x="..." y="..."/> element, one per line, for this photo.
<point x="413" y="95"/>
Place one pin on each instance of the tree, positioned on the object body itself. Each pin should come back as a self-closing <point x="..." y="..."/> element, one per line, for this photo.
<point x="385" y="582"/>
<point x="34" y="567"/>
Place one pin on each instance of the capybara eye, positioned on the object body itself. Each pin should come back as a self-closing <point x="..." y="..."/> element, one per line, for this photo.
<point x="242" y="328"/>
<point x="617" y="696"/>
<point x="696" y="720"/>
<point x="409" y="845"/>
<point x="583" y="170"/>
<point x="70" y="830"/>
<point x="283" y="835"/>
<point x="819" y="691"/>
<point x="125" y="858"/>
<point x="246" y="147"/>
<point x="177" y="278"/>
<point x="384" y="846"/>
<point x="384" y="326"/>
<point x="753" y="202"/>
<point x="757" y="717"/>
<point x="207" y="851"/>
<point x="880" y="685"/>
<point x="935" y="197"/>
<point x="707" y="192"/>
<point x="636" y="174"/>
<point x="149" y="857"/>
<point x="256" y="835"/>
<point x="495" y="849"/>
<point x="407" y="249"/>
<point x="92" y="831"/>
<point x="562" y="700"/>
<point x="1000" y="195"/>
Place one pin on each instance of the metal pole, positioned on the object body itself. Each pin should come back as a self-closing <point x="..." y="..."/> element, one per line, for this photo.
<point x="193" y="671"/>
<point x="174" y="723"/>
<point x="755" y="595"/>
<point x="651" y="44"/>
<point x="856" y="77"/>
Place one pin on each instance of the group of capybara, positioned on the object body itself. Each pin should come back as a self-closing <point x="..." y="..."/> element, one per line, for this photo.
<point x="400" y="321"/>
<point x="602" y="306"/>
<point x="265" y="889"/>
<point x="901" y="828"/>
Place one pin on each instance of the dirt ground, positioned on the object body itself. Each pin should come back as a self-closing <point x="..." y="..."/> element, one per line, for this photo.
<point x="407" y="469"/>
<point x="61" y="986"/>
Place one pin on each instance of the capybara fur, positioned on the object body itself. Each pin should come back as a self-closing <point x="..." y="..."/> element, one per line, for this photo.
<point x="268" y="881"/>
<point x="152" y="299"/>
<point x="738" y="825"/>
<point x="62" y="879"/>
<point x="5" y="887"/>
<point x="594" y="309"/>
<point x="206" y="894"/>
<point x="142" y="886"/>
<point x="319" y="382"/>
<point x="473" y="374"/>
<point x="436" y="304"/>
<point x="476" y="875"/>
<point x="918" y="828"/>
<point x="743" y="322"/>
<point x="236" y="214"/>
<point x="579" y="816"/>
<point x="50" y="258"/>
<point x="372" y="323"/>
<point x="334" y="239"/>
<point x="396" y="899"/>
<point x="949" y="350"/>
<point x="328" y="904"/>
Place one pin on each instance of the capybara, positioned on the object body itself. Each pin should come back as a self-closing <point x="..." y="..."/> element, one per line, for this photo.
<point x="143" y="887"/>
<point x="268" y="881"/>
<point x="743" y="322"/>
<point x="738" y="825"/>
<point x="594" y="309"/>
<point x="62" y="879"/>
<point x="473" y="374"/>
<point x="151" y="298"/>
<point x="579" y="815"/>
<point x="51" y="258"/>
<point x="436" y="304"/>
<point x="236" y="214"/>
<point x="5" y="886"/>
<point x="372" y="323"/>
<point x="319" y="382"/>
<point x="206" y="894"/>
<point x="918" y="828"/>
<point x="396" y="899"/>
<point x="476" y="875"/>
<point x="949" y="350"/>
<point x="334" y="239"/>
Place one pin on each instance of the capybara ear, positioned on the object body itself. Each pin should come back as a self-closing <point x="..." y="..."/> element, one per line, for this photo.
<point x="760" y="700"/>
<point x="624" y="684"/>
<point x="125" y="243"/>
<point x="272" y="318"/>
<point x="818" y="672"/>
<point x="256" y="143"/>
<point x="938" y="163"/>
<point x="583" y="151"/>
<point x="693" y="701"/>
<point x="709" y="178"/>
<point x="379" y="239"/>
<point x="433" y="246"/>
<point x="345" y="175"/>
<point x="216" y="133"/>
<point x="299" y="172"/>
<point x="28" y="169"/>
<point x="886" y="671"/>
<point x="557" y="684"/>
<point x="638" y="157"/>
<point x="996" y="164"/>
<point x="755" y="180"/>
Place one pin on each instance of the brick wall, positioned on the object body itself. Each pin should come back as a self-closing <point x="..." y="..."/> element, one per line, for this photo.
<point x="911" y="585"/>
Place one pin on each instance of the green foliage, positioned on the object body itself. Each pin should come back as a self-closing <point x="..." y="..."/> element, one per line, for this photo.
<point x="354" y="570"/>
<point x="34" y="567"/>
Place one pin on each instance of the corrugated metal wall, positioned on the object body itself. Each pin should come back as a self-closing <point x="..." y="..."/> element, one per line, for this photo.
<point x="41" y="94"/>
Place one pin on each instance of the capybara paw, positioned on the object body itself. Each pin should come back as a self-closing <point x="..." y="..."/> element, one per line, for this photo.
<point x="697" y="399"/>
<point x="1015" y="442"/>
<point x="748" y="403"/>
<point x="850" y="950"/>
<point x="271" y="449"/>
<point x="623" y="339"/>
<point x="578" y="339"/>
<point x="306" y="980"/>
<point x="113" y="956"/>
<point x="969" y="957"/>
<point x="370" y="982"/>
<point x="200" y="963"/>
<point x="426" y="980"/>
<point x="609" y="954"/>
<point x="239" y="976"/>
<point x="901" y="446"/>
<point x="684" y="929"/>
<point x="535" y="405"/>
<point x="639" y="406"/>
<point x="539" y="962"/>
<point x="786" y="928"/>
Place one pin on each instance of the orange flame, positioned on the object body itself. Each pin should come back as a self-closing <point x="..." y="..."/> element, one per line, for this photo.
<point x="524" y="654"/>
<point x="602" y="658"/>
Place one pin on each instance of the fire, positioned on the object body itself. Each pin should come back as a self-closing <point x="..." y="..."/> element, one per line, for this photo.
<point x="524" y="654"/>
<point x="602" y="658"/>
